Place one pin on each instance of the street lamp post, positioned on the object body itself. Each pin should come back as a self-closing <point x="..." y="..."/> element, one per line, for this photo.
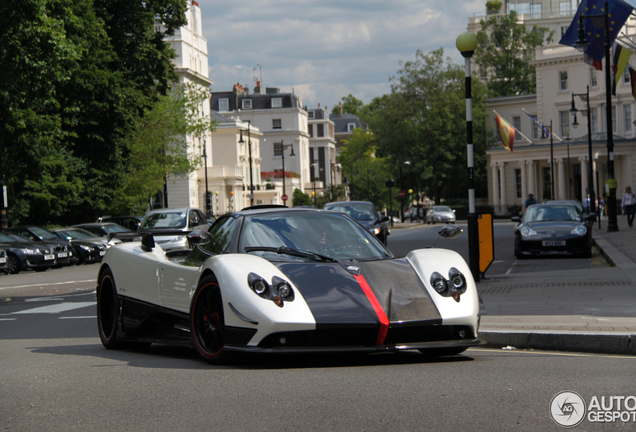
<point x="283" y="147"/>
<point x="575" y="123"/>
<point x="466" y="44"/>
<point x="313" y="179"/>
<point x="249" y="143"/>
<point x="581" y="45"/>
<point x="408" y="163"/>
<point x="208" y="197"/>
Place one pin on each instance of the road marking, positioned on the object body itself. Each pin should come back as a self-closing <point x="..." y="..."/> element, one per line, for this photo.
<point x="8" y="319"/>
<point x="47" y="284"/>
<point x="555" y="353"/>
<point x="57" y="308"/>
<point x="78" y="317"/>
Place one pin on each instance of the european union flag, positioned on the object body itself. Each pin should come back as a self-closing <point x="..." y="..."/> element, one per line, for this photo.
<point x="595" y="27"/>
<point x="545" y="130"/>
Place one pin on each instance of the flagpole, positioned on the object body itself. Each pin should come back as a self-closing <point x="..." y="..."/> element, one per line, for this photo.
<point x="551" y="163"/>
<point x="539" y="124"/>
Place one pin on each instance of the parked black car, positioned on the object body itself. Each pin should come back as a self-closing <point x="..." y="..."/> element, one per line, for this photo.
<point x="24" y="255"/>
<point x="553" y="229"/>
<point x="103" y="229"/>
<point x="3" y="260"/>
<point x="62" y="249"/>
<point x="130" y="222"/>
<point x="89" y="248"/>
<point x="365" y="214"/>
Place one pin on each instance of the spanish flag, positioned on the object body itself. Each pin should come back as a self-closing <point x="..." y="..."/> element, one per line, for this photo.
<point x="506" y="133"/>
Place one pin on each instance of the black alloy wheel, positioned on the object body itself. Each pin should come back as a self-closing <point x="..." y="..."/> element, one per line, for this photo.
<point x="107" y="310"/>
<point x="207" y="322"/>
<point x="13" y="264"/>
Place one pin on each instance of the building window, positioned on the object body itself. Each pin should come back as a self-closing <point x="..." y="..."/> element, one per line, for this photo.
<point x="563" y="81"/>
<point x="277" y="124"/>
<point x="310" y="114"/>
<point x="277" y="102"/>
<point x="310" y="130"/>
<point x="518" y="182"/>
<point x="278" y="149"/>
<point x="627" y="115"/>
<point x="593" y="78"/>
<point x="563" y="30"/>
<point x="626" y="76"/>
<point x="224" y="104"/>
<point x="594" y="115"/>
<point x="247" y="103"/>
<point x="564" y="117"/>
<point x="516" y="123"/>
<point x="351" y="127"/>
<point x="321" y="130"/>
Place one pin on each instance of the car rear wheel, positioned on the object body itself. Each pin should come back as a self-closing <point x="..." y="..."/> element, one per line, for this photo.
<point x="207" y="322"/>
<point x="13" y="264"/>
<point x="107" y="310"/>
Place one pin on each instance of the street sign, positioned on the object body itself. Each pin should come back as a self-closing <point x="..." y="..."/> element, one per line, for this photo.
<point x="401" y="194"/>
<point x="284" y="197"/>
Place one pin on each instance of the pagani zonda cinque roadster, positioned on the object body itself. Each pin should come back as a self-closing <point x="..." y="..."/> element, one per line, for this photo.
<point x="287" y="280"/>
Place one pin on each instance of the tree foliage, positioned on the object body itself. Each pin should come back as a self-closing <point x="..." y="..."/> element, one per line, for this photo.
<point x="350" y="104"/>
<point x="77" y="75"/>
<point x="423" y="121"/>
<point x="505" y="49"/>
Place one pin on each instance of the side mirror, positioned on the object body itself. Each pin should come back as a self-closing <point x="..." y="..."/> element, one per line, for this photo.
<point x="147" y="242"/>
<point x="450" y="231"/>
<point x="198" y="237"/>
<point x="516" y="218"/>
<point x="384" y="219"/>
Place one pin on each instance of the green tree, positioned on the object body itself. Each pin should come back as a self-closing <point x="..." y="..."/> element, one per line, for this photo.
<point x="350" y="104"/>
<point x="423" y="121"/>
<point x="76" y="75"/>
<point x="299" y="198"/>
<point x="158" y="148"/>
<point x="505" y="49"/>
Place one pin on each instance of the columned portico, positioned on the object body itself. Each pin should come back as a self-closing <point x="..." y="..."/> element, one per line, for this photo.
<point x="561" y="180"/>
<point x="532" y="186"/>
<point x="583" y="161"/>
<point x="504" y="200"/>
<point x="524" y="183"/>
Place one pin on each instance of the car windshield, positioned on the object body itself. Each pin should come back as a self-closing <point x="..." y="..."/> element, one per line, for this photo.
<point x="442" y="209"/>
<point x="43" y="234"/>
<point x="75" y="234"/>
<point x="330" y="235"/>
<point x="551" y="213"/>
<point x="360" y="212"/>
<point x="164" y="220"/>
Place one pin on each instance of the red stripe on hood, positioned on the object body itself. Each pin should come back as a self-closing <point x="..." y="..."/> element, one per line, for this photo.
<point x="384" y="321"/>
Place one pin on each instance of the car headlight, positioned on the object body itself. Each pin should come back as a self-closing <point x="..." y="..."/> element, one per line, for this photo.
<point x="527" y="231"/>
<point x="278" y="292"/>
<point x="376" y="231"/>
<point x="458" y="280"/>
<point x="439" y="283"/>
<point x="29" y="251"/>
<point x="579" y="230"/>
<point x="86" y="248"/>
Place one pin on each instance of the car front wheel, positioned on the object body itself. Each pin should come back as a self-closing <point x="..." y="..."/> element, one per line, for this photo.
<point x="207" y="322"/>
<point x="107" y="310"/>
<point x="13" y="264"/>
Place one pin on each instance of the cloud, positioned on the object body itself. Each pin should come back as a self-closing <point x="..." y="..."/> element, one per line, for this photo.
<point x="326" y="50"/>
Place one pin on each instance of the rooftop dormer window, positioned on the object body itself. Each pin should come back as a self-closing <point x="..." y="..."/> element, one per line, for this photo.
<point x="247" y="103"/>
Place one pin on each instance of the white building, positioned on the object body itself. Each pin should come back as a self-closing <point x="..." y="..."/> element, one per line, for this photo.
<point x="560" y="73"/>
<point x="322" y="149"/>
<point x="192" y="66"/>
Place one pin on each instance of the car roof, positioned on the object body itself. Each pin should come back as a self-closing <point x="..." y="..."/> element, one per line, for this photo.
<point x="554" y="204"/>
<point x="94" y="224"/>
<point x="173" y="210"/>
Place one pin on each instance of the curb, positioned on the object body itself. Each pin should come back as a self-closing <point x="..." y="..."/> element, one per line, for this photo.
<point x="598" y="343"/>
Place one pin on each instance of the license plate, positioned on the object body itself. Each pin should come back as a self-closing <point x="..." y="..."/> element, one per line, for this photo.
<point x="3" y="260"/>
<point x="553" y="243"/>
<point x="49" y="257"/>
<point x="102" y="253"/>
<point x="62" y="255"/>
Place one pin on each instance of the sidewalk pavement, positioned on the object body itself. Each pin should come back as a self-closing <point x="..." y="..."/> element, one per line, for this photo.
<point x="590" y="310"/>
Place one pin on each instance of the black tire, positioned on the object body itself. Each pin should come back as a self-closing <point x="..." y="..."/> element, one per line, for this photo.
<point x="107" y="310"/>
<point x="13" y="264"/>
<point x="207" y="322"/>
<point x="442" y="352"/>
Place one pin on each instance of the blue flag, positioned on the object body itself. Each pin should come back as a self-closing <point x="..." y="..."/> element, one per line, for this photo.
<point x="595" y="27"/>
<point x="543" y="128"/>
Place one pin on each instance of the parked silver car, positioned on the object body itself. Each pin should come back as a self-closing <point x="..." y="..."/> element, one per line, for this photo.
<point x="170" y="227"/>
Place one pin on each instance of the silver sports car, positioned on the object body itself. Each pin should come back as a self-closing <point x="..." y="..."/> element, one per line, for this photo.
<point x="287" y="280"/>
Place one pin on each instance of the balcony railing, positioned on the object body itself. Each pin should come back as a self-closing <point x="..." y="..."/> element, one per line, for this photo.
<point x="527" y="16"/>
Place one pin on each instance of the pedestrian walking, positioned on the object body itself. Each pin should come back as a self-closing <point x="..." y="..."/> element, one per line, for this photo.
<point x="628" y="205"/>
<point x="601" y="207"/>
<point x="531" y="200"/>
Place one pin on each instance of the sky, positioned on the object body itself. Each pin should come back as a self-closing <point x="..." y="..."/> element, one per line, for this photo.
<point x="325" y="50"/>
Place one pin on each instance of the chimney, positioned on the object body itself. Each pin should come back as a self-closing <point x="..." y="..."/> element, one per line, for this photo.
<point x="258" y="89"/>
<point x="318" y="105"/>
<point x="340" y="110"/>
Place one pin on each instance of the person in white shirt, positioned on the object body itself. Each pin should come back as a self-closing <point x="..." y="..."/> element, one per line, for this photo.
<point x="628" y="205"/>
